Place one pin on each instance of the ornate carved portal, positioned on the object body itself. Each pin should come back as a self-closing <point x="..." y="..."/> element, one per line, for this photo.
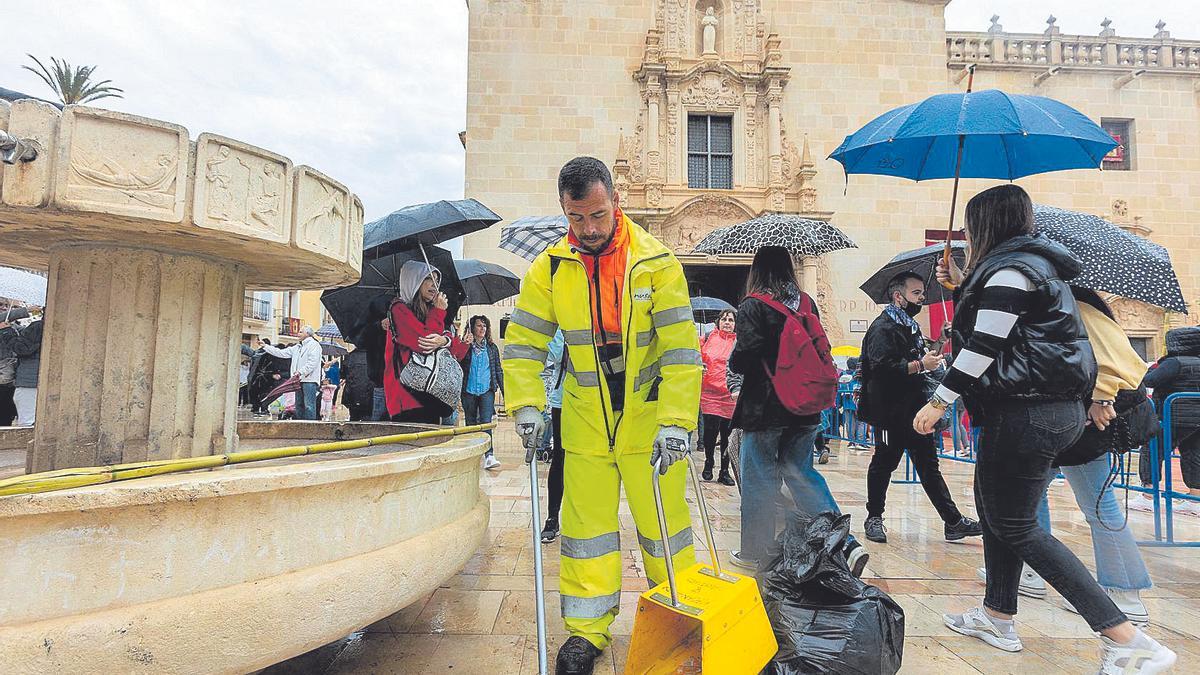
<point x="714" y="57"/>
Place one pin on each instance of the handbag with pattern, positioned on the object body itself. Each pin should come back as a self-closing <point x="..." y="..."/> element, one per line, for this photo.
<point x="437" y="374"/>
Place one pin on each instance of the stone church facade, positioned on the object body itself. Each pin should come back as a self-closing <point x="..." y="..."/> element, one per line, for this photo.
<point x="711" y="112"/>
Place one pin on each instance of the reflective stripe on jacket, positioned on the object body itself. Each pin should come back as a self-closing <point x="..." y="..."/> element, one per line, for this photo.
<point x="662" y="357"/>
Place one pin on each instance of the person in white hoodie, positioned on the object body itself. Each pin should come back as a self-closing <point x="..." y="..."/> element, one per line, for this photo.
<point x="306" y="362"/>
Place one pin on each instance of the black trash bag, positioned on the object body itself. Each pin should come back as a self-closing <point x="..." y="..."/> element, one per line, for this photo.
<point x="825" y="619"/>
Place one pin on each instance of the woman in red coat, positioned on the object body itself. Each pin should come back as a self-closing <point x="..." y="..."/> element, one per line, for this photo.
<point x="416" y="323"/>
<point x="716" y="403"/>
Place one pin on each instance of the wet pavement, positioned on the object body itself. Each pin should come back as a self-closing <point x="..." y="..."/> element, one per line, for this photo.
<point x="482" y="620"/>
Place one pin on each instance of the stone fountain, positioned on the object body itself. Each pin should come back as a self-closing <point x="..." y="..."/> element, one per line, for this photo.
<point x="151" y="239"/>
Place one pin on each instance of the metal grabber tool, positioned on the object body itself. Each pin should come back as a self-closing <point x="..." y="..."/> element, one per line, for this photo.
<point x="530" y="444"/>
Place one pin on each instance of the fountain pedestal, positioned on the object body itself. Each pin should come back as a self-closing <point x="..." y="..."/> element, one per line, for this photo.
<point x="151" y="240"/>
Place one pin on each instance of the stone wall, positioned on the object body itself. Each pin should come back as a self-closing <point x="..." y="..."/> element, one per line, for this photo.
<point x="549" y="81"/>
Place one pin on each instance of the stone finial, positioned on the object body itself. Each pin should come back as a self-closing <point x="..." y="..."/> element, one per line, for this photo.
<point x="1051" y="27"/>
<point x="1162" y="33"/>
<point x="805" y="155"/>
<point x="622" y="153"/>
<point x="1108" y="30"/>
<point x="995" y="27"/>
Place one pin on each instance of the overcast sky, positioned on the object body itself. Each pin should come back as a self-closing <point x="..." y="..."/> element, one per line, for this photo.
<point x="372" y="93"/>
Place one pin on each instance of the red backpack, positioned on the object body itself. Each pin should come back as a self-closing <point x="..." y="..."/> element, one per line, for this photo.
<point x="805" y="377"/>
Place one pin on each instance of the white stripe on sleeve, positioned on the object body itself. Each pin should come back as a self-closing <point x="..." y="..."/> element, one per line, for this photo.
<point x="971" y="363"/>
<point x="1011" y="278"/>
<point x="945" y="394"/>
<point x="994" y="322"/>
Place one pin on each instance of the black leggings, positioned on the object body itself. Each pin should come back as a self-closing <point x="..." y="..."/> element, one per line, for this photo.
<point x="714" y="426"/>
<point x="554" y="481"/>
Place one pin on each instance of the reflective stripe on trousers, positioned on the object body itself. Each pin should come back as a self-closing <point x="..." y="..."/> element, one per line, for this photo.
<point x="591" y="565"/>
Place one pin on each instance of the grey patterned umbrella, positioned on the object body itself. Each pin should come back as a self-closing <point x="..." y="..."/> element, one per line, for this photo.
<point x="529" y="236"/>
<point x="1114" y="261"/>
<point x="329" y="330"/>
<point x="801" y="236"/>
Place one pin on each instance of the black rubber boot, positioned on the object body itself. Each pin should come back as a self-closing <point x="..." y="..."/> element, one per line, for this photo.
<point x="577" y="656"/>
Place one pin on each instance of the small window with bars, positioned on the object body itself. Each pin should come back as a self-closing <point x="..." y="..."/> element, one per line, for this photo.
<point x="710" y="152"/>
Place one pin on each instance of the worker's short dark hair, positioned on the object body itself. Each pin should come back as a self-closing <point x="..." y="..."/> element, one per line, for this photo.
<point x="578" y="176"/>
<point x="899" y="283"/>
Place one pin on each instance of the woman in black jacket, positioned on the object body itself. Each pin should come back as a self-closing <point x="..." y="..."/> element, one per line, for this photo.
<point x="1023" y="367"/>
<point x="776" y="444"/>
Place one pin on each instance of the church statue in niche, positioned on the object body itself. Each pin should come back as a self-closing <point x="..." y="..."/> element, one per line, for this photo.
<point x="710" y="145"/>
<point x="709" y="22"/>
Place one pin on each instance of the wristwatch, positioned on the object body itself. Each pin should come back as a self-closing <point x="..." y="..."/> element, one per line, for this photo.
<point x="938" y="403"/>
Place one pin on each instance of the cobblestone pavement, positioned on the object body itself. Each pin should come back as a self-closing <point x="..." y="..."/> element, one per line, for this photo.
<point x="482" y="620"/>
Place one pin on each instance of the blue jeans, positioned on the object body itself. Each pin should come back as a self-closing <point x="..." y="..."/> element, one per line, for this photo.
<point x="479" y="409"/>
<point x="1118" y="563"/>
<point x="306" y="402"/>
<point x="379" y="411"/>
<point x="767" y="457"/>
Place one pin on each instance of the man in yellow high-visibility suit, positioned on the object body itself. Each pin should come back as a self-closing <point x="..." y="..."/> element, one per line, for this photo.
<point x="629" y="399"/>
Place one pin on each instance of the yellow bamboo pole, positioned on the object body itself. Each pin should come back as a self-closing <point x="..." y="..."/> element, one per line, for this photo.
<point x="63" y="479"/>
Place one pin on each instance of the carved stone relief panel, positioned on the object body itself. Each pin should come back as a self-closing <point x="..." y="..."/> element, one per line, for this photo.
<point x="121" y="164"/>
<point x="321" y="213"/>
<point x="242" y="189"/>
<point x="1137" y="316"/>
<point x="354" y="248"/>
<point x="711" y="90"/>
<point x="696" y="218"/>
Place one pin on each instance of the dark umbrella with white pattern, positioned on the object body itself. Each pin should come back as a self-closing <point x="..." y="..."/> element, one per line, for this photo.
<point x="1114" y="261"/>
<point x="800" y="236"/>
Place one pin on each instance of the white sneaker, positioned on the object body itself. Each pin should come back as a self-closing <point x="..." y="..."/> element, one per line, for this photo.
<point x="1129" y="602"/>
<point x="490" y="462"/>
<point x="1031" y="586"/>
<point x="1186" y="508"/>
<point x="1142" y="502"/>
<point x="1147" y="657"/>
<point x="976" y="623"/>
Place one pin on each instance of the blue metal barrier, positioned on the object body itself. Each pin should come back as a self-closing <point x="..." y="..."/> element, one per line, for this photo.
<point x="1166" y="448"/>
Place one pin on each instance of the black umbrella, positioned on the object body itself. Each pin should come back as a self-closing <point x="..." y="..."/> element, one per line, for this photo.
<point x="331" y="349"/>
<point x="801" y="236"/>
<point x="486" y="283"/>
<point x="425" y="224"/>
<point x="922" y="262"/>
<point x="703" y="305"/>
<point x="350" y="306"/>
<point x="1114" y="261"/>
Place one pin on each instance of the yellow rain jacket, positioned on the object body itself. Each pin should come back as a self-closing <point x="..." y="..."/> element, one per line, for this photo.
<point x="661" y="351"/>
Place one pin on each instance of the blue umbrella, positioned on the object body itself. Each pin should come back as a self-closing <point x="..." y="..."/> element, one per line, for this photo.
<point x="1005" y="136"/>
<point x="987" y="134"/>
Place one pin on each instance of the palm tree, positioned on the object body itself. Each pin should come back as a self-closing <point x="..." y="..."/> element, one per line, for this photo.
<point x="72" y="84"/>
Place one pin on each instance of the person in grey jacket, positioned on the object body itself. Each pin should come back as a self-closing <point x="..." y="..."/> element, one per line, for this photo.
<point x="26" y="343"/>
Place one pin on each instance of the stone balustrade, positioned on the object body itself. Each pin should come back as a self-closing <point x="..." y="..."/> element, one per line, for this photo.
<point x="1161" y="53"/>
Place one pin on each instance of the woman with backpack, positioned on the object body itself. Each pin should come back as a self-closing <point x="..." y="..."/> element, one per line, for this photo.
<point x="1023" y="367"/>
<point x="416" y="323"/>
<point x="785" y="383"/>
<point x="716" y="402"/>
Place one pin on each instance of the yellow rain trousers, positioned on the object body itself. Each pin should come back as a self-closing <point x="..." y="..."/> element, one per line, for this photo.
<point x="590" y="566"/>
<point x="605" y="448"/>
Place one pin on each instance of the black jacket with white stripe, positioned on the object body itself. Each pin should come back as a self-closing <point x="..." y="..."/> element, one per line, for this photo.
<point x="1047" y="355"/>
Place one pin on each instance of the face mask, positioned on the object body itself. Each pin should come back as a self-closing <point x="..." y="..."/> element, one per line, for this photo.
<point x="912" y="309"/>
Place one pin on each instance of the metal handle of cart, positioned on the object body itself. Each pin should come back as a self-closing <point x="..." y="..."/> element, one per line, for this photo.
<point x="702" y="506"/>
